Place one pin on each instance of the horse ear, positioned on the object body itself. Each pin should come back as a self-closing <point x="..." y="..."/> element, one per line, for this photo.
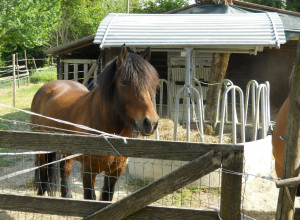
<point x="146" y="54"/>
<point x="122" y="55"/>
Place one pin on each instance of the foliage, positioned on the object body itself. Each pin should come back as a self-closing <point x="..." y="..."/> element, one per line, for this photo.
<point x="160" y="6"/>
<point x="27" y="24"/>
<point x="271" y="3"/>
<point x="81" y="18"/>
<point x="292" y="5"/>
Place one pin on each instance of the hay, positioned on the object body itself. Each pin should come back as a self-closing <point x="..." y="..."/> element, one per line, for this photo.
<point x="166" y="132"/>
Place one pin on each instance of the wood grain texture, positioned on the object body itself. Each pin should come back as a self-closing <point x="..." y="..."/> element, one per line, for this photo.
<point x="295" y="181"/>
<point x="291" y="158"/>
<point x="231" y="187"/>
<point x="82" y="208"/>
<point x="169" y="150"/>
<point x="173" y="181"/>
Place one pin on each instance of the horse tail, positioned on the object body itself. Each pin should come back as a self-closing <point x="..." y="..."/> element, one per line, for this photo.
<point x="46" y="179"/>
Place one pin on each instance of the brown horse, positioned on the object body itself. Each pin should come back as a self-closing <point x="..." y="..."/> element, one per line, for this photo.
<point x="279" y="136"/>
<point x="120" y="104"/>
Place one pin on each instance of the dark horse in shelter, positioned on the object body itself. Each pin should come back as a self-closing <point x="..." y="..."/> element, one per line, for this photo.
<point x="121" y="104"/>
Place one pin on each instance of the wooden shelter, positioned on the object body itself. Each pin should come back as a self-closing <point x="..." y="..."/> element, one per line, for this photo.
<point x="79" y="59"/>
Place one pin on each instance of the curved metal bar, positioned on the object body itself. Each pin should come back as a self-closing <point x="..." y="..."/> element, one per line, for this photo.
<point x="162" y="82"/>
<point x="177" y="112"/>
<point x="253" y="85"/>
<point x="261" y="95"/>
<point x="226" y="83"/>
<point x="233" y="89"/>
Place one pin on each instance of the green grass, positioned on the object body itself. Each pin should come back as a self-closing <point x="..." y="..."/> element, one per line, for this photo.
<point x="24" y="96"/>
<point x="43" y="76"/>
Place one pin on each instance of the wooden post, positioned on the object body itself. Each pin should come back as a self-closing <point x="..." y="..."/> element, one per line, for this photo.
<point x="291" y="157"/>
<point x="14" y="79"/>
<point x="26" y="66"/>
<point x="60" y="69"/>
<point x="34" y="63"/>
<point x="231" y="186"/>
<point x="188" y="173"/>
<point x="66" y="71"/>
<point x="17" y="67"/>
<point x="75" y="72"/>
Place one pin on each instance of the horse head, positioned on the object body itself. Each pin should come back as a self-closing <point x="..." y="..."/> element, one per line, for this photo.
<point x="131" y="90"/>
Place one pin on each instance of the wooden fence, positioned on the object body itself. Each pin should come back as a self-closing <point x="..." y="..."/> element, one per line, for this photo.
<point x="204" y="158"/>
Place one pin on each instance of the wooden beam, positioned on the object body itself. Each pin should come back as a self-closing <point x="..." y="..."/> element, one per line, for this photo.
<point x="88" y="75"/>
<point x="291" y="182"/>
<point x="231" y="186"/>
<point x="168" y="150"/>
<point x="173" y="181"/>
<point x="291" y="158"/>
<point x="79" y="61"/>
<point x="82" y="208"/>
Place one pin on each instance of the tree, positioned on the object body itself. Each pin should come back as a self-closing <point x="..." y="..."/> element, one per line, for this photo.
<point x="81" y="18"/>
<point x="160" y="6"/>
<point x="271" y="3"/>
<point x="293" y="5"/>
<point x="27" y="24"/>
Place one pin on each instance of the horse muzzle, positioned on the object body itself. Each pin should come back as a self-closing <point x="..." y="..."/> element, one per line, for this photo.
<point x="146" y="127"/>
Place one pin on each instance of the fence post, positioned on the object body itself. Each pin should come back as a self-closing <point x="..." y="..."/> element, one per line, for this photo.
<point x="34" y="63"/>
<point x="231" y="186"/>
<point x="17" y="68"/>
<point x="26" y="66"/>
<point x="14" y="79"/>
<point x="291" y="156"/>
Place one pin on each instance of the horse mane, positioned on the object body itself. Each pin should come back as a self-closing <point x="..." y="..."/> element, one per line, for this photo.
<point x="139" y="73"/>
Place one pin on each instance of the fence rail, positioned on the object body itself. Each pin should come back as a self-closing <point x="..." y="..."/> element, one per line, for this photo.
<point x="230" y="154"/>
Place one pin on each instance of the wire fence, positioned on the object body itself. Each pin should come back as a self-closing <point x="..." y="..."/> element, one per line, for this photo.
<point x="17" y="172"/>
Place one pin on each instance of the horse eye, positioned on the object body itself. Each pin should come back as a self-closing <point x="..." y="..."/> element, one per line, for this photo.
<point x="124" y="82"/>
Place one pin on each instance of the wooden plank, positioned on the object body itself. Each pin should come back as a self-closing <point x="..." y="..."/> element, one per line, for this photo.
<point x="82" y="208"/>
<point x="169" y="150"/>
<point x="89" y="74"/>
<point x="297" y="214"/>
<point x="79" y="61"/>
<point x="66" y="71"/>
<point x="96" y="75"/>
<point x="291" y="182"/>
<point x="173" y="181"/>
<point x="11" y="77"/>
<point x="291" y="158"/>
<point x="85" y="70"/>
<point x="60" y="69"/>
<point x="76" y="72"/>
<point x="14" y="80"/>
<point x="231" y="186"/>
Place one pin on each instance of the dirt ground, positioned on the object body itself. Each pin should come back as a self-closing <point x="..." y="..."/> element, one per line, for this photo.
<point x="259" y="195"/>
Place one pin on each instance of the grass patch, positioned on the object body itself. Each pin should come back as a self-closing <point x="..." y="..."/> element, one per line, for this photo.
<point x="24" y="96"/>
<point x="43" y="76"/>
<point x="6" y="161"/>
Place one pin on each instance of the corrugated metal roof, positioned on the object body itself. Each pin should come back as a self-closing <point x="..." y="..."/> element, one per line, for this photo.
<point x="196" y="30"/>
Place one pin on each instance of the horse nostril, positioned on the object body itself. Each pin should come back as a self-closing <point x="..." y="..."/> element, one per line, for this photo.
<point x="147" y="123"/>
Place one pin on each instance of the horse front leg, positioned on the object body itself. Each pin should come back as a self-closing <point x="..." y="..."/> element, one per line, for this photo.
<point x="65" y="171"/>
<point x="111" y="178"/>
<point x="89" y="185"/>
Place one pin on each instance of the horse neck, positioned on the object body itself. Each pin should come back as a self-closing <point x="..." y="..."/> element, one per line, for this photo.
<point x="105" y="117"/>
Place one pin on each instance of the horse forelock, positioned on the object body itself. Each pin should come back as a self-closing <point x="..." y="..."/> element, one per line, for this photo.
<point x="139" y="73"/>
